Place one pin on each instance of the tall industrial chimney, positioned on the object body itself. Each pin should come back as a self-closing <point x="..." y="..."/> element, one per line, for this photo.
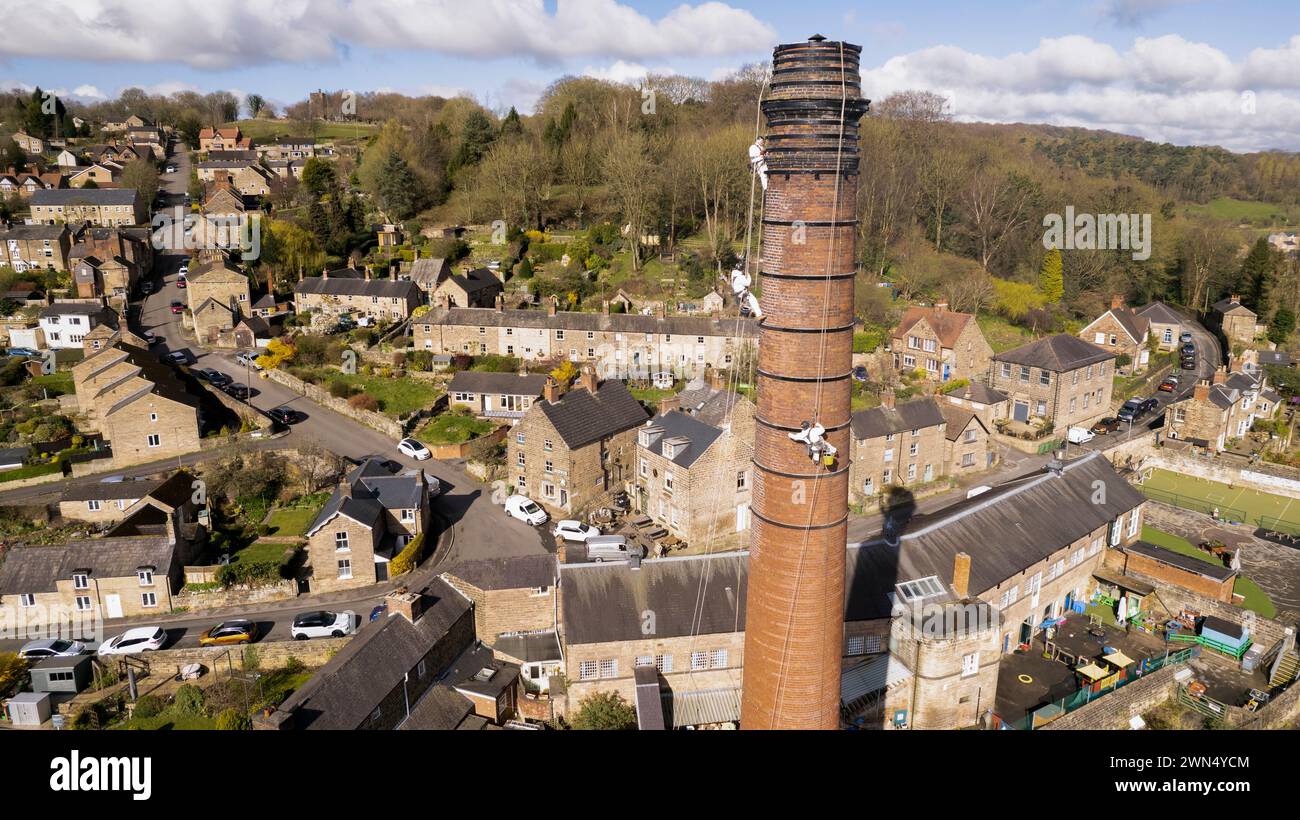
<point x="794" y="623"/>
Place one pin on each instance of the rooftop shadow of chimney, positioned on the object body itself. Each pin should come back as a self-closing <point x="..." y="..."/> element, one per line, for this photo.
<point x="898" y="506"/>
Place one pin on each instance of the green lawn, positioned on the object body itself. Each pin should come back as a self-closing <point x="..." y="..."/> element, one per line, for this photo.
<point x="651" y="395"/>
<point x="291" y="520"/>
<point x="31" y="471"/>
<point x="170" y="719"/>
<point x="262" y="130"/>
<point x="1255" y="598"/>
<point x="1234" y="503"/>
<point x="57" y="384"/>
<point x="261" y="551"/>
<point x="396" y="397"/>
<point x="1237" y="210"/>
<point x="453" y="428"/>
<point x="1001" y="334"/>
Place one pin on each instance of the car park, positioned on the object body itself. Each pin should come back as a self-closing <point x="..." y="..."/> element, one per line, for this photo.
<point x="1169" y="385"/>
<point x="140" y="639"/>
<point x="525" y="509"/>
<point x="238" y="631"/>
<point x="413" y="449"/>
<point x="51" y="648"/>
<point x="570" y="530"/>
<point x="1107" y="425"/>
<point x="323" y="624"/>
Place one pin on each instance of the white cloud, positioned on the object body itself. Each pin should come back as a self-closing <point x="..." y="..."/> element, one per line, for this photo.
<point x="217" y="34"/>
<point x="1163" y="88"/>
<point x="623" y="72"/>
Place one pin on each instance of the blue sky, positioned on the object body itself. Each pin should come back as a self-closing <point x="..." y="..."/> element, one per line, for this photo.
<point x="1187" y="71"/>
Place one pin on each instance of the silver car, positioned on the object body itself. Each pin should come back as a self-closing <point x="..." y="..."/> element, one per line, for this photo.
<point x="51" y="648"/>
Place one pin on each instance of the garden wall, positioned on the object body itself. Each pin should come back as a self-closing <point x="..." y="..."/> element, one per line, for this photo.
<point x="234" y="596"/>
<point x="271" y="655"/>
<point x="321" y="396"/>
<point x="469" y="449"/>
<point x="1113" y="710"/>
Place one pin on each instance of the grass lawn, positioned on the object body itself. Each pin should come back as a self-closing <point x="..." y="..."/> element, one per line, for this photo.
<point x="261" y="551"/>
<point x="396" y="397"/>
<point x="1237" y="210"/>
<point x="291" y="520"/>
<point x="651" y="395"/>
<point x="261" y="130"/>
<point x="1001" y="334"/>
<point x="57" y="384"/>
<point x="1233" y="503"/>
<point x="1255" y="598"/>
<point x="31" y="471"/>
<point x="453" y="428"/>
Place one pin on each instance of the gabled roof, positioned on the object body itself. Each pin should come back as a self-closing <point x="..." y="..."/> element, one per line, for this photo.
<point x="374" y="489"/>
<point x="476" y="280"/>
<point x="36" y="569"/>
<point x="1059" y="354"/>
<point x="677" y="425"/>
<point x="979" y="393"/>
<point x="513" y="572"/>
<point x="581" y="418"/>
<point x="607" y="602"/>
<point x="882" y="421"/>
<point x="1135" y="325"/>
<point x="1159" y="313"/>
<point x="958" y="419"/>
<point x="947" y="324"/>
<point x="605" y="322"/>
<point x="707" y="404"/>
<point x="502" y="384"/>
<point x="1231" y="305"/>
<point x="334" y="286"/>
<point x="85" y="196"/>
<point x="427" y="271"/>
<point x="1004" y="530"/>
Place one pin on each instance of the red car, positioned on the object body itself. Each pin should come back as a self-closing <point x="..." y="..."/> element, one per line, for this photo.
<point x="1169" y="385"/>
<point x="180" y="283"/>
<point x="177" y="307"/>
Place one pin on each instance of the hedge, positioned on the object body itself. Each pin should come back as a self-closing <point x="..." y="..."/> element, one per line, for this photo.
<point x="408" y="558"/>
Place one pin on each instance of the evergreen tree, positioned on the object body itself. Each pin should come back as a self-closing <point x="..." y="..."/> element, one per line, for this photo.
<point x="1051" y="277"/>
<point x="1282" y="326"/>
<point x="476" y="136"/>
<point x="512" y="125"/>
<point x="1257" y="273"/>
<point x="398" y="188"/>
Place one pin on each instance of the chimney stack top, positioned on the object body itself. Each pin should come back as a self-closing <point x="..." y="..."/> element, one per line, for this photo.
<point x="551" y="390"/>
<point x="887" y="398"/>
<point x="407" y="604"/>
<point x="961" y="575"/>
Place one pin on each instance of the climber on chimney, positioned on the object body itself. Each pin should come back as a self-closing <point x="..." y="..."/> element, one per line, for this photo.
<point x="758" y="160"/>
<point x="813" y="436"/>
<point x="740" y="282"/>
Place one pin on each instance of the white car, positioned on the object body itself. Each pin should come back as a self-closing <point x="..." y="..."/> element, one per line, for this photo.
<point x="140" y="639"/>
<point x="574" y="531"/>
<point x="248" y="360"/>
<point x="51" y="648"/>
<point x="414" y="449"/>
<point x="185" y="269"/>
<point x="1080" y="435"/>
<point x="171" y="169"/>
<point x="525" y="509"/>
<point x="323" y="624"/>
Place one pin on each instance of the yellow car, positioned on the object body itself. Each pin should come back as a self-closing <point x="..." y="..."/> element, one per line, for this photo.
<point x="228" y="632"/>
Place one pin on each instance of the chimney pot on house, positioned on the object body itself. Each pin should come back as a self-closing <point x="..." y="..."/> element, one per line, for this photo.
<point x="345" y="488"/>
<point x="407" y="604"/>
<point x="501" y="302"/>
<point x="887" y="398"/>
<point x="1221" y="375"/>
<point x="553" y="307"/>
<point x="941" y="306"/>
<point x="551" y="390"/>
<point x="1236" y="297"/>
<point x="587" y="378"/>
<point x="324" y="273"/>
<point x="367" y="273"/>
<point x="604" y="306"/>
<point x="961" y="575"/>
<point x="1117" y="301"/>
<point x="1201" y="392"/>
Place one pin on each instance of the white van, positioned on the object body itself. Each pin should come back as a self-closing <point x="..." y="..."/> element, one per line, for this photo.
<point x="603" y="548"/>
<point x="1079" y="435"/>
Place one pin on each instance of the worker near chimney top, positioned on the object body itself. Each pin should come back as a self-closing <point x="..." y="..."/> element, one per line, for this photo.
<point x="758" y="160"/>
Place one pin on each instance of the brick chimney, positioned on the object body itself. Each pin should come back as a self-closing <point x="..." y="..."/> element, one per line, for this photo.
<point x="887" y="398"/>
<point x="670" y="404"/>
<point x="1221" y="375"/>
<point x="1201" y="392"/>
<point x="940" y="306"/>
<point x="1236" y="297"/>
<point x="604" y="306"/>
<point x="501" y="302"/>
<point x="345" y="488"/>
<point x="324" y="273"/>
<point x="553" y="306"/>
<point x="410" y="605"/>
<point x="551" y="390"/>
<point x="961" y="575"/>
<point x="1117" y="301"/>
<point x="587" y="378"/>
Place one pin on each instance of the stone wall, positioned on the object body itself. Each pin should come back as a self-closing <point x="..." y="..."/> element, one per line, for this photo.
<point x="1264" y="631"/>
<point x="219" y="598"/>
<point x="1226" y="472"/>
<point x="468" y="449"/>
<point x="270" y="655"/>
<point x="318" y="395"/>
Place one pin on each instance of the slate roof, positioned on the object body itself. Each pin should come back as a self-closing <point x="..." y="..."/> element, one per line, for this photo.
<point x="1135" y="325"/>
<point x="1160" y="313"/>
<point x="502" y="384"/>
<point x="605" y="322"/>
<point x="531" y="647"/>
<point x="1059" y="354"/>
<point x="1277" y="357"/>
<point x="1231" y="305"/>
<point x="112" y="490"/>
<point x="334" y="286"/>
<point x="438" y="709"/>
<point x="947" y="324"/>
<point x="85" y="196"/>
<point x="958" y="419"/>
<point x="36" y="569"/>
<point x="476" y="280"/>
<point x="677" y="424"/>
<point x="516" y="572"/>
<point x="38" y="231"/>
<point x="1187" y="563"/>
<point x="1005" y="530"/>
<point x="912" y="415"/>
<point x="374" y="489"/>
<point x="426" y="271"/>
<point x="581" y="418"/>
<point x="606" y="602"/>
<point x="979" y="393"/>
<point x="705" y="403"/>
<point x="344" y="692"/>
<point x="93" y="309"/>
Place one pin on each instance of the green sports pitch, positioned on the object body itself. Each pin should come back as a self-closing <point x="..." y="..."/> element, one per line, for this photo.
<point x="1262" y="509"/>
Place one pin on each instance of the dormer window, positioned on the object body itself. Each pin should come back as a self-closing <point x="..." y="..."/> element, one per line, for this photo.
<point x="675" y="446"/>
<point x="647" y="434"/>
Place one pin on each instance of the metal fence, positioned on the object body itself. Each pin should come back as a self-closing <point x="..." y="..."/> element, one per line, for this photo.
<point x="1226" y="513"/>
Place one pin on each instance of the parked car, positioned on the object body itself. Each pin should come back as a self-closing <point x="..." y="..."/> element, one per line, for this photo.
<point x="1106" y="425"/>
<point x="377" y="611"/>
<point x="140" y="639"/>
<point x="178" y="307"/>
<point x="248" y="360"/>
<point x="1188" y="349"/>
<point x="207" y="374"/>
<point x="150" y="337"/>
<point x="1079" y="435"/>
<point x="146" y="288"/>
<point x="1149" y="404"/>
<point x="1187" y="363"/>
<point x="571" y="530"/>
<point x="171" y="169"/>
<point x="181" y="283"/>
<point x="604" y="548"/>
<point x="283" y="415"/>
<point x="323" y="624"/>
<point x="51" y="648"/>
<point x="413" y="449"/>
<point x="184" y="268"/>
<point x="21" y="351"/>
<point x="525" y="509"/>
<point x="1130" y="410"/>
<point x="177" y="357"/>
<point x="1169" y="385"/>
<point x="238" y="631"/>
<point x="1185" y="337"/>
<point x="237" y="391"/>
